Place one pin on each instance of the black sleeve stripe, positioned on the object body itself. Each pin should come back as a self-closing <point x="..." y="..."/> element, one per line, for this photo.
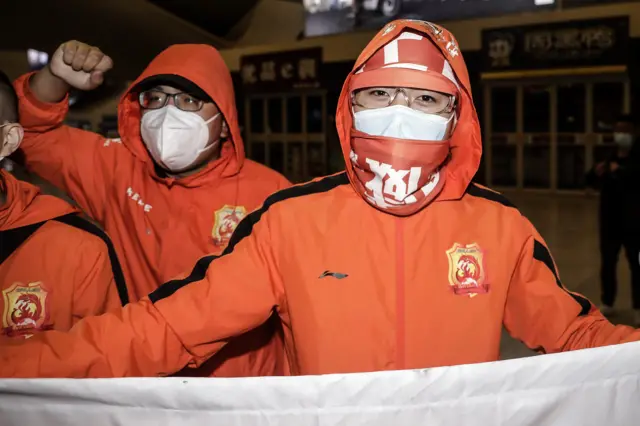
<point x="477" y="191"/>
<point x="541" y="253"/>
<point x="12" y="239"/>
<point x="118" y="276"/>
<point x="245" y="227"/>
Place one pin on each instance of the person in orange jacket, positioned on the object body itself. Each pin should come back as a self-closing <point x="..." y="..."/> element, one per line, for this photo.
<point x="173" y="187"/>
<point x="55" y="267"/>
<point x="400" y="262"/>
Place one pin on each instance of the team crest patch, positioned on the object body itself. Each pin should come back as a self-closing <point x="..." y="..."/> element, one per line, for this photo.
<point x="25" y="309"/>
<point x="467" y="275"/>
<point x="226" y="220"/>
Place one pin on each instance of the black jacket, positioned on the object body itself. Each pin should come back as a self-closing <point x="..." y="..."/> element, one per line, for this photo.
<point x="619" y="193"/>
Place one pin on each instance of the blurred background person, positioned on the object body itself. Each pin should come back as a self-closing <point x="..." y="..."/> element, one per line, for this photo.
<point x="617" y="178"/>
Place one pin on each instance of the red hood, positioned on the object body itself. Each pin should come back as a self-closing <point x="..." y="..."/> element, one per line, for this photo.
<point x="466" y="142"/>
<point x="25" y="206"/>
<point x="202" y="65"/>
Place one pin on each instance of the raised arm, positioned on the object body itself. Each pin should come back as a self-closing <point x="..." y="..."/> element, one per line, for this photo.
<point x="79" y="162"/>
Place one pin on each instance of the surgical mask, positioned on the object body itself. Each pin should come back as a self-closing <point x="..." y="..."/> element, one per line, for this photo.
<point x="402" y="122"/>
<point x="176" y="139"/>
<point x="623" y="140"/>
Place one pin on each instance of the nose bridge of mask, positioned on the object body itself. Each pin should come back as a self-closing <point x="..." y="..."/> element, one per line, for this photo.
<point x="159" y="117"/>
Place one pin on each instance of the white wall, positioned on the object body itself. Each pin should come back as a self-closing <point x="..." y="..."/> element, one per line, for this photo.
<point x="347" y="47"/>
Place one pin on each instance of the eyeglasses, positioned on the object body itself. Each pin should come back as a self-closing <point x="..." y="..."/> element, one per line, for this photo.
<point x="156" y="99"/>
<point x="426" y="101"/>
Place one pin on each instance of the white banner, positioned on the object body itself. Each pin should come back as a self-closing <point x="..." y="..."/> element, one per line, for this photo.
<point x="592" y="387"/>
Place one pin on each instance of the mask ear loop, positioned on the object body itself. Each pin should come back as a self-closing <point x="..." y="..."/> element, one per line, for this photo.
<point x="209" y="121"/>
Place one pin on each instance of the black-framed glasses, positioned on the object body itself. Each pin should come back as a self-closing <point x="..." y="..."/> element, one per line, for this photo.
<point x="156" y="99"/>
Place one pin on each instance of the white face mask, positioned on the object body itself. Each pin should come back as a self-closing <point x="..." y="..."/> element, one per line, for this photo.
<point x="402" y="122"/>
<point x="176" y="139"/>
<point x="623" y="140"/>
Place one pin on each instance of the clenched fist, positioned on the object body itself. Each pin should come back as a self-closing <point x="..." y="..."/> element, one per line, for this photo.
<point x="80" y="65"/>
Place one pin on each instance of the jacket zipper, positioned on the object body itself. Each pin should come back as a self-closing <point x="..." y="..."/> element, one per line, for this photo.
<point x="400" y="296"/>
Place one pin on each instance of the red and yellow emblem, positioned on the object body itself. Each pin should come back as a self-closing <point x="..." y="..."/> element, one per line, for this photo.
<point x="466" y="270"/>
<point x="226" y="220"/>
<point x="25" y="308"/>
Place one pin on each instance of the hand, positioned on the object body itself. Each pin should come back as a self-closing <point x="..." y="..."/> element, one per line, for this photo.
<point x="614" y="166"/>
<point x="600" y="168"/>
<point x="80" y="65"/>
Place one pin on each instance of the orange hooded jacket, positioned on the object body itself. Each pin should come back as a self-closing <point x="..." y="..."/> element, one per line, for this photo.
<point x="51" y="274"/>
<point x="356" y="289"/>
<point x="160" y="226"/>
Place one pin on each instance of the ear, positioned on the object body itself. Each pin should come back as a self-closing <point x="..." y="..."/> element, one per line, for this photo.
<point x="224" y="131"/>
<point x="13" y="134"/>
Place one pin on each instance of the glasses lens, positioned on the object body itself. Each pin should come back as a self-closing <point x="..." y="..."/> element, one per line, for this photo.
<point x="186" y="102"/>
<point x="429" y="102"/>
<point x="153" y="99"/>
<point x="375" y="97"/>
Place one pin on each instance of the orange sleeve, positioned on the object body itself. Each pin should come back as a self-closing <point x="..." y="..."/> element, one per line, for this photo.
<point x="182" y="323"/>
<point x="95" y="291"/>
<point x="74" y="160"/>
<point x="283" y="183"/>
<point x="546" y="316"/>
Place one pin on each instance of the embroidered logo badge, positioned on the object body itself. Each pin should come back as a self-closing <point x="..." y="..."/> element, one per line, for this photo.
<point x="25" y="308"/>
<point x="226" y="220"/>
<point x="467" y="275"/>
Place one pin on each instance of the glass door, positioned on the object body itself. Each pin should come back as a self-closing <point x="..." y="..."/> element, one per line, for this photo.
<point x="502" y="138"/>
<point x="287" y="132"/>
<point x="537" y="129"/>
<point x="548" y="135"/>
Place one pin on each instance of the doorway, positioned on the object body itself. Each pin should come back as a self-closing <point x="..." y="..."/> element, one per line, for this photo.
<point x="546" y="134"/>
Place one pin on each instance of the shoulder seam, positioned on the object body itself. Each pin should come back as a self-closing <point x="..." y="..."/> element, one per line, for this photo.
<point x="476" y="191"/>
<point x="245" y="227"/>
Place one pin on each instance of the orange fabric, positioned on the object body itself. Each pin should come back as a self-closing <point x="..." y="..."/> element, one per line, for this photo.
<point x="409" y="60"/>
<point x="356" y="289"/>
<point x="159" y="226"/>
<point x="57" y="276"/>
<point x="406" y="192"/>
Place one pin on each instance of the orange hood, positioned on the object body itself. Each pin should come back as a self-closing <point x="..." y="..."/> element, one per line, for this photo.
<point x="201" y="64"/>
<point x="466" y="142"/>
<point x="25" y="205"/>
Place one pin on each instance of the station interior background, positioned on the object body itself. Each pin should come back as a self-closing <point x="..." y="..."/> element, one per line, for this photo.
<point x="549" y="79"/>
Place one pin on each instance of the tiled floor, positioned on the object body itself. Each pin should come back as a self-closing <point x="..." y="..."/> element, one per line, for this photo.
<point x="568" y="223"/>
